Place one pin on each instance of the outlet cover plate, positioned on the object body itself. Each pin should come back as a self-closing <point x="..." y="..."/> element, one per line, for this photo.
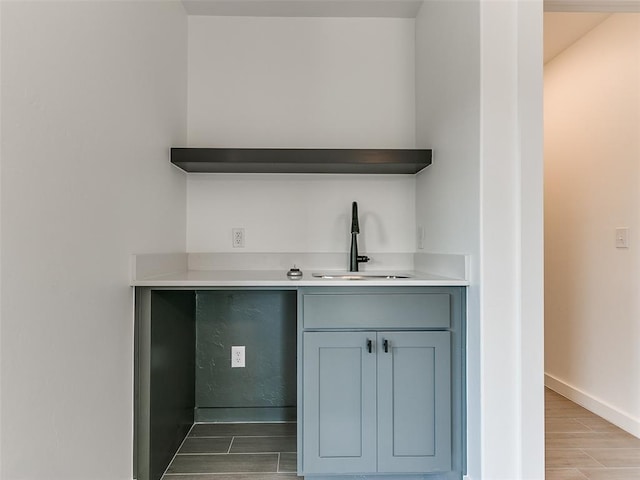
<point x="237" y="357"/>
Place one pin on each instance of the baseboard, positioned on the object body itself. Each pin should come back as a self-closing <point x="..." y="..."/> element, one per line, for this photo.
<point x="428" y="476"/>
<point x="268" y="414"/>
<point x="611" y="414"/>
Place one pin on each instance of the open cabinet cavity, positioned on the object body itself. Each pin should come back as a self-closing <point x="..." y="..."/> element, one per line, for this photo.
<point x="186" y="385"/>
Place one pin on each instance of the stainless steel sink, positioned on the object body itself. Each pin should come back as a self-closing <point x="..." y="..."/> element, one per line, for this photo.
<point x="360" y="276"/>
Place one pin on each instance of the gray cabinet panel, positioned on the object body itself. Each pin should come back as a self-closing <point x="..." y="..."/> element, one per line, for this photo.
<point x="414" y="402"/>
<point x="339" y="397"/>
<point x="164" y="377"/>
<point x="377" y="310"/>
<point x="340" y="403"/>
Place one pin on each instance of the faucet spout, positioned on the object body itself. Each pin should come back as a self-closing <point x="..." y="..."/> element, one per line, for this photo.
<point x="355" y="225"/>
<point x="354" y="258"/>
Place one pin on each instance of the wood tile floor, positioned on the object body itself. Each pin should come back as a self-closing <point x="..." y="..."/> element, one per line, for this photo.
<point x="580" y="445"/>
<point x="236" y="451"/>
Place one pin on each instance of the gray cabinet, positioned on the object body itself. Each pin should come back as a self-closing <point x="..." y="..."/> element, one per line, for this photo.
<point x="340" y="402"/>
<point x="376" y="402"/>
<point x="380" y="382"/>
<point x="414" y="402"/>
<point x="371" y="415"/>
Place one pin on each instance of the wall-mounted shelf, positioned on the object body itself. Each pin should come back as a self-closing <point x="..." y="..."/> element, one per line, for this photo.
<point x="305" y="160"/>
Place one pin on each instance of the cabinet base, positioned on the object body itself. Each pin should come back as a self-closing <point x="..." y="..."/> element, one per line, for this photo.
<point x="429" y="476"/>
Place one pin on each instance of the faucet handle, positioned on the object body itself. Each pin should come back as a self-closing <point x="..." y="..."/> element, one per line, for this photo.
<point x="363" y="259"/>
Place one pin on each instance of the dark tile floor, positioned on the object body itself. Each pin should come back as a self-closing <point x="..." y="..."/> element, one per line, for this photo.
<point x="582" y="446"/>
<point x="236" y="451"/>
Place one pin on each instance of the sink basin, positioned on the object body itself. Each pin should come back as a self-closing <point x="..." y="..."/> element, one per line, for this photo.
<point x="360" y="276"/>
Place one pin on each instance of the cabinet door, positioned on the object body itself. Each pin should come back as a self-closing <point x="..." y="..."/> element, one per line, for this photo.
<point x="339" y="402"/>
<point x="414" y="409"/>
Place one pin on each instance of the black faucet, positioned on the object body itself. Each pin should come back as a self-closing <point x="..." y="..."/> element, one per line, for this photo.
<point x="354" y="258"/>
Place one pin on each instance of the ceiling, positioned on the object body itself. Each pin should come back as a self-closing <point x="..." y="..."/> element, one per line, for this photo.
<point x="305" y="8"/>
<point x="563" y="29"/>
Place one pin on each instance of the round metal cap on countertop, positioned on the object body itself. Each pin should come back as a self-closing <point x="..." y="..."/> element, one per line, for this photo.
<point x="294" y="273"/>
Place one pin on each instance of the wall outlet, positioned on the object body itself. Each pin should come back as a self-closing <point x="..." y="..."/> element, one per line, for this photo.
<point x="237" y="357"/>
<point x="237" y="237"/>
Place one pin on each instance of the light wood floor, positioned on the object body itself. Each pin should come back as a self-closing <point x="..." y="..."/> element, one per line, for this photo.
<point x="581" y="445"/>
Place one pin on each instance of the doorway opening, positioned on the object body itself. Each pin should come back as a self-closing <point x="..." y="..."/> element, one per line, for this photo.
<point x="592" y="252"/>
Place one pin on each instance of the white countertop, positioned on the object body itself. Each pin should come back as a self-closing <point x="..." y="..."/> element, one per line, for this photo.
<point x="278" y="278"/>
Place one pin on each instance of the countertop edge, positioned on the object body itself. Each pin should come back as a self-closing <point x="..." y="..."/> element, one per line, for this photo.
<point x="257" y="279"/>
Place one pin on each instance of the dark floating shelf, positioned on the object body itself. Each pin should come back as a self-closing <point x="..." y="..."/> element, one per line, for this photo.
<point x="296" y="160"/>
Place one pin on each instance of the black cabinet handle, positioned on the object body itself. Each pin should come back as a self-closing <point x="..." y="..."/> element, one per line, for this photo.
<point x="369" y="345"/>
<point x="385" y="343"/>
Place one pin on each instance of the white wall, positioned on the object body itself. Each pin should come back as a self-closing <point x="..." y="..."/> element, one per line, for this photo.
<point x="592" y="185"/>
<point x="511" y="241"/>
<point x="479" y="84"/>
<point x="448" y="121"/>
<point x="301" y="213"/>
<point x="93" y="95"/>
<point x="301" y="82"/>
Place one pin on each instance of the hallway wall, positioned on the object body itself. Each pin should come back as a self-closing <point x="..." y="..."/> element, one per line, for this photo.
<point x="592" y="186"/>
